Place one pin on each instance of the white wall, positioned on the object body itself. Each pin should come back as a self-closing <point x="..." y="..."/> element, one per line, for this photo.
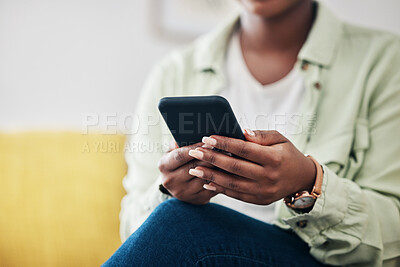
<point x="59" y="59"/>
<point x="62" y="58"/>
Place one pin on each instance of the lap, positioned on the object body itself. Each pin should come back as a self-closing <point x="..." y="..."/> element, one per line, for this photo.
<point x="180" y="234"/>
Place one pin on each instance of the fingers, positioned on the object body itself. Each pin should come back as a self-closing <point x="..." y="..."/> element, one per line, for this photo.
<point x="230" y="164"/>
<point x="180" y="183"/>
<point x="183" y="171"/>
<point x="176" y="158"/>
<point x="230" y="181"/>
<point x="179" y="176"/>
<point x="247" y="150"/>
<point x="172" y="145"/>
<point x="191" y="191"/>
<point x="249" y="198"/>
<point x="265" y="138"/>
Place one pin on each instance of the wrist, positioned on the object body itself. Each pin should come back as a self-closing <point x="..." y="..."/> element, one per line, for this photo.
<point x="311" y="175"/>
<point x="303" y="201"/>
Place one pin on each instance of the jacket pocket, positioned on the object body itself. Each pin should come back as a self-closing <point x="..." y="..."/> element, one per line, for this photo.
<point x="333" y="152"/>
<point x="360" y="146"/>
<point x="361" y="140"/>
<point x="344" y="152"/>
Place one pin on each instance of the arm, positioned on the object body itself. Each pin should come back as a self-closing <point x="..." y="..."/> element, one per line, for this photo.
<point x="142" y="153"/>
<point x="358" y="220"/>
<point x="355" y="221"/>
<point x="149" y="165"/>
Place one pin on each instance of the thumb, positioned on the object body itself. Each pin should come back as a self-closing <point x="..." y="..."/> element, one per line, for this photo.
<point x="172" y="145"/>
<point x="265" y="138"/>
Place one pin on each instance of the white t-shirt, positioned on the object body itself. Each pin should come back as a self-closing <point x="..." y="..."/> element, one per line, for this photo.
<point x="274" y="106"/>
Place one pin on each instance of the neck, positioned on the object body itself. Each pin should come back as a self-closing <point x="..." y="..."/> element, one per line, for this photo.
<point x="287" y="31"/>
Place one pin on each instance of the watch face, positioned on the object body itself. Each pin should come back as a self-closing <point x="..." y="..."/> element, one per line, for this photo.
<point x="304" y="202"/>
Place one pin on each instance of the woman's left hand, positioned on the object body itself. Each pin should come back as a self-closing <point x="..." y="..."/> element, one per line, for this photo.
<point x="268" y="167"/>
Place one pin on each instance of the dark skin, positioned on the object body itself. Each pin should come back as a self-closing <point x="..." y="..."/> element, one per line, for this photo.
<point x="270" y="167"/>
<point x="174" y="167"/>
<point x="271" y="38"/>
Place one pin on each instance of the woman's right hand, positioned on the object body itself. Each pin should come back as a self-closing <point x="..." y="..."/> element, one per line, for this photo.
<point x="174" y="167"/>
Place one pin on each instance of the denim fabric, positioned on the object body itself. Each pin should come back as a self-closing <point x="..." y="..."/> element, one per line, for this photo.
<point x="181" y="234"/>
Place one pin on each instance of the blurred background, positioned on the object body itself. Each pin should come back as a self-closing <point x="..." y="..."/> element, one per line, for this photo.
<point x="62" y="61"/>
<point x="59" y="59"/>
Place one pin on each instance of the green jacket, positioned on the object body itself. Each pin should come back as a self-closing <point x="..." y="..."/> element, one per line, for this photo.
<point x="350" y="124"/>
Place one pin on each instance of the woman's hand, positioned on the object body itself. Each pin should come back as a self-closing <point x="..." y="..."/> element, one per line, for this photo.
<point x="174" y="167"/>
<point x="268" y="167"/>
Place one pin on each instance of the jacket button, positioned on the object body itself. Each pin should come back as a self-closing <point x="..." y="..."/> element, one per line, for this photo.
<point x="301" y="224"/>
<point x="304" y="66"/>
<point x="317" y="85"/>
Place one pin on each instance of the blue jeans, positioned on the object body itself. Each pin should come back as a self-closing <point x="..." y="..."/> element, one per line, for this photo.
<point x="181" y="234"/>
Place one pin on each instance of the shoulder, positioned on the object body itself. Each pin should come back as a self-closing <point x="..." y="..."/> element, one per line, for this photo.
<point x="205" y="50"/>
<point x="177" y="60"/>
<point x="374" y="54"/>
<point x="371" y="40"/>
<point x="378" y="59"/>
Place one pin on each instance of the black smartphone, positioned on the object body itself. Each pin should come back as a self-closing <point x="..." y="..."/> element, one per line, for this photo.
<point x="190" y="118"/>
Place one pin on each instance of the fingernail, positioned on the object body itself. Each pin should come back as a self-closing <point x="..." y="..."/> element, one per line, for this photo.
<point x="209" y="141"/>
<point x="198" y="173"/>
<point x="209" y="187"/>
<point x="250" y="132"/>
<point x="207" y="146"/>
<point x="196" y="153"/>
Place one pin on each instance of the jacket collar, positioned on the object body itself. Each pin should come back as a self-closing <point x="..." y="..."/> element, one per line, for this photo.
<point x="319" y="47"/>
<point x="325" y="34"/>
<point x="210" y="49"/>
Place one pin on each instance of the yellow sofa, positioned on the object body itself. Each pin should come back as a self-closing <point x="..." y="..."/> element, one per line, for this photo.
<point x="60" y="198"/>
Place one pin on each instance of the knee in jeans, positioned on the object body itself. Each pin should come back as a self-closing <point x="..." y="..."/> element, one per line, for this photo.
<point x="175" y="209"/>
<point x="171" y="206"/>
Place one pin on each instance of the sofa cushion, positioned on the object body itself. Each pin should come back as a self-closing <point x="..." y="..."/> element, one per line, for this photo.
<point x="60" y="198"/>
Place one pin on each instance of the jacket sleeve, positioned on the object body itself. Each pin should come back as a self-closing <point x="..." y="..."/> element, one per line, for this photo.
<point x="145" y="145"/>
<point x="356" y="221"/>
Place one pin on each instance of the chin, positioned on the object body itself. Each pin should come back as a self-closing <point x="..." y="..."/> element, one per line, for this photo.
<point x="268" y="8"/>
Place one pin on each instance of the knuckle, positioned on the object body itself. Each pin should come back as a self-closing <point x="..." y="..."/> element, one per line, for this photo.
<point x="167" y="181"/>
<point x="212" y="158"/>
<point x="272" y="190"/>
<point x="232" y="184"/>
<point x="178" y="155"/>
<point x="161" y="166"/>
<point x="243" y="151"/>
<point x="236" y="166"/>
<point x="225" y="144"/>
<point x="276" y="158"/>
<point x="273" y="176"/>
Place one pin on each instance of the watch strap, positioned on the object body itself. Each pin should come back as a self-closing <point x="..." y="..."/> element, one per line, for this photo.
<point x="315" y="193"/>
<point x="164" y="190"/>
<point x="317" y="188"/>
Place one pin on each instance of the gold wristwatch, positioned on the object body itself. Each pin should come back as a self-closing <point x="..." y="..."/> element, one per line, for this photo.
<point x="303" y="201"/>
